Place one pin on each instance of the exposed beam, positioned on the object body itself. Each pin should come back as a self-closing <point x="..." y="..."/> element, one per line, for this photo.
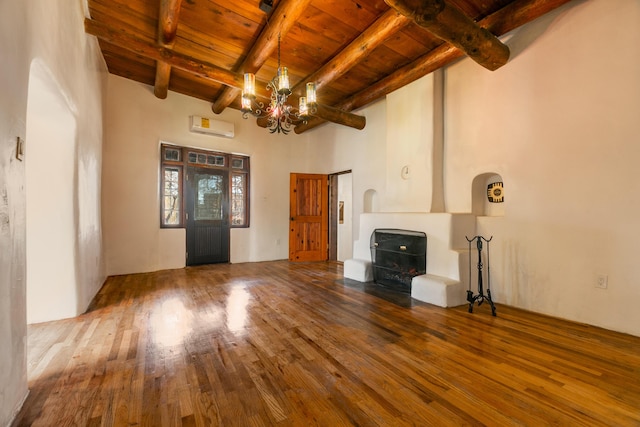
<point x="161" y="84"/>
<point x="501" y="22"/>
<point x="280" y="22"/>
<point x="167" y="27"/>
<point x="153" y="51"/>
<point x="168" y="22"/>
<point x="376" y="34"/>
<point x="451" y="25"/>
<point x="438" y="57"/>
<point x="342" y="117"/>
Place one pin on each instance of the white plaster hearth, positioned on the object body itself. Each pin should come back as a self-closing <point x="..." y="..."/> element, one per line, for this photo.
<point x="446" y="279"/>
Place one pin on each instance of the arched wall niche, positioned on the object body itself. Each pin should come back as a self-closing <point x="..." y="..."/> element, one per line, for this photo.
<point x="50" y="178"/>
<point x="370" y="201"/>
<point x="480" y="203"/>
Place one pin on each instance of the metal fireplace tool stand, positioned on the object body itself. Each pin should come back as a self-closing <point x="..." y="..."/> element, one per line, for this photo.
<point x="480" y="297"/>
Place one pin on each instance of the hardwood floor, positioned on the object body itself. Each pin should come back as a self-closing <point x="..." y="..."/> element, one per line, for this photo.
<point x="295" y="345"/>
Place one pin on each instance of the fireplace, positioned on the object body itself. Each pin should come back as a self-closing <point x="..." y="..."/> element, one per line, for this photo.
<point x="397" y="256"/>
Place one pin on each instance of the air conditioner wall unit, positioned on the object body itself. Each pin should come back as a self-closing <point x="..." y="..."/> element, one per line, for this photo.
<point x="209" y="126"/>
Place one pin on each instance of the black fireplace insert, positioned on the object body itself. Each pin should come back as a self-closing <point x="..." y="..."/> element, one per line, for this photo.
<point x="397" y="257"/>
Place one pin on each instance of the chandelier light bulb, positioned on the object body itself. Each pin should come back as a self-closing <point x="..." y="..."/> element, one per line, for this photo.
<point x="302" y="107"/>
<point x="246" y="103"/>
<point x="249" y="85"/>
<point x="311" y="93"/>
<point x="283" y="80"/>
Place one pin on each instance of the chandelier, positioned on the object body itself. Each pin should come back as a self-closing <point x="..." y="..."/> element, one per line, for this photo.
<point x="281" y="117"/>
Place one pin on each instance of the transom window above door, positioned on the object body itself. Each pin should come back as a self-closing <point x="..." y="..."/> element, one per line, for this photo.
<point x="173" y="162"/>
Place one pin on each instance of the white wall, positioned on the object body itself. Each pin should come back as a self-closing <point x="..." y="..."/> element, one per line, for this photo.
<point x="559" y="123"/>
<point x="13" y="105"/>
<point x="50" y="189"/>
<point x="409" y="167"/>
<point x="345" y="229"/>
<point x="137" y="123"/>
<point x="51" y="34"/>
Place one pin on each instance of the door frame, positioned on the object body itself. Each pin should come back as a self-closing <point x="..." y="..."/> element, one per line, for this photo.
<point x="333" y="213"/>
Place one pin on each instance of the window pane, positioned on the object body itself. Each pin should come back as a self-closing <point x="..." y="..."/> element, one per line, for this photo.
<point x="172" y="154"/>
<point x="208" y="203"/>
<point x="238" y="187"/>
<point x="171" y="197"/>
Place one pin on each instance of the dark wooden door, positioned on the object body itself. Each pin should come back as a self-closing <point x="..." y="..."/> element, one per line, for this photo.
<point x="309" y="225"/>
<point x="207" y="216"/>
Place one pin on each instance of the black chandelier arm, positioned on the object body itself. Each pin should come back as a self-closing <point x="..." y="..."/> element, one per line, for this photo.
<point x="280" y="124"/>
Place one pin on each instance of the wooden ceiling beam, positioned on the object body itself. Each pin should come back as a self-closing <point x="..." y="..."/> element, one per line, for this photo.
<point x="451" y="25"/>
<point x="501" y="22"/>
<point x="436" y="58"/>
<point x="339" y="116"/>
<point x="283" y="18"/>
<point x="167" y="28"/>
<point x="376" y="34"/>
<point x="385" y="26"/>
<point x="153" y="51"/>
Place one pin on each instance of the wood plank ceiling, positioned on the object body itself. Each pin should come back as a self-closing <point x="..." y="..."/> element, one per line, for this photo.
<point x="356" y="51"/>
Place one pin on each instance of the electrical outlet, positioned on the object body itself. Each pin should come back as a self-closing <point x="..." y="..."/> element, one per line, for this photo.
<point x="278" y="242"/>
<point x="603" y="281"/>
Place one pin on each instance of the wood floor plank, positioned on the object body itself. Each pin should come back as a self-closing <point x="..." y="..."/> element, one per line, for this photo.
<point x="296" y="344"/>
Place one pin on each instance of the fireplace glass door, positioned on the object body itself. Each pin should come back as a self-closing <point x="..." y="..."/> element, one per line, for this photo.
<point x="397" y="257"/>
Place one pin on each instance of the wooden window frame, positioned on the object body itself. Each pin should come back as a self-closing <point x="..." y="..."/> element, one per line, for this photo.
<point x="221" y="160"/>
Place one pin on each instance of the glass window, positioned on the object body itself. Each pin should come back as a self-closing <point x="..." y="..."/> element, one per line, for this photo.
<point x="238" y="199"/>
<point x="210" y="197"/>
<point x="172" y="154"/>
<point x="171" y="196"/>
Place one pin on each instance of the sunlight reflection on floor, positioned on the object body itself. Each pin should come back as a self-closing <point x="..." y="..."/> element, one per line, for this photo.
<point x="237" y="303"/>
<point x="171" y="322"/>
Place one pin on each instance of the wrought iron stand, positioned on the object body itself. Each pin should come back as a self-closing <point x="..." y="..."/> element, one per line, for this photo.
<point x="480" y="297"/>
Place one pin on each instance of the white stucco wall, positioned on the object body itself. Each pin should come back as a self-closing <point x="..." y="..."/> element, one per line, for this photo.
<point x="409" y="147"/>
<point x="51" y="34"/>
<point x="137" y="124"/>
<point x="345" y="229"/>
<point x="13" y="105"/>
<point x="51" y="189"/>
<point x="559" y="123"/>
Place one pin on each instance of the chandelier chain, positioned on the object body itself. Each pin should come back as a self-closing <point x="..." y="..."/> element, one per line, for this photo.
<point x="278" y="51"/>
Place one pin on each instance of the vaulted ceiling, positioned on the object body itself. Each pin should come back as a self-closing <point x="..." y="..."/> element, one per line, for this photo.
<point x="356" y="51"/>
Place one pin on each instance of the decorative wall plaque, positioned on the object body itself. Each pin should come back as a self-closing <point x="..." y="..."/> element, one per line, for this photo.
<point x="495" y="192"/>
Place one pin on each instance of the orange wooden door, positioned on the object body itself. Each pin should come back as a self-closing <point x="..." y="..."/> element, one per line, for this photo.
<point x="309" y="221"/>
